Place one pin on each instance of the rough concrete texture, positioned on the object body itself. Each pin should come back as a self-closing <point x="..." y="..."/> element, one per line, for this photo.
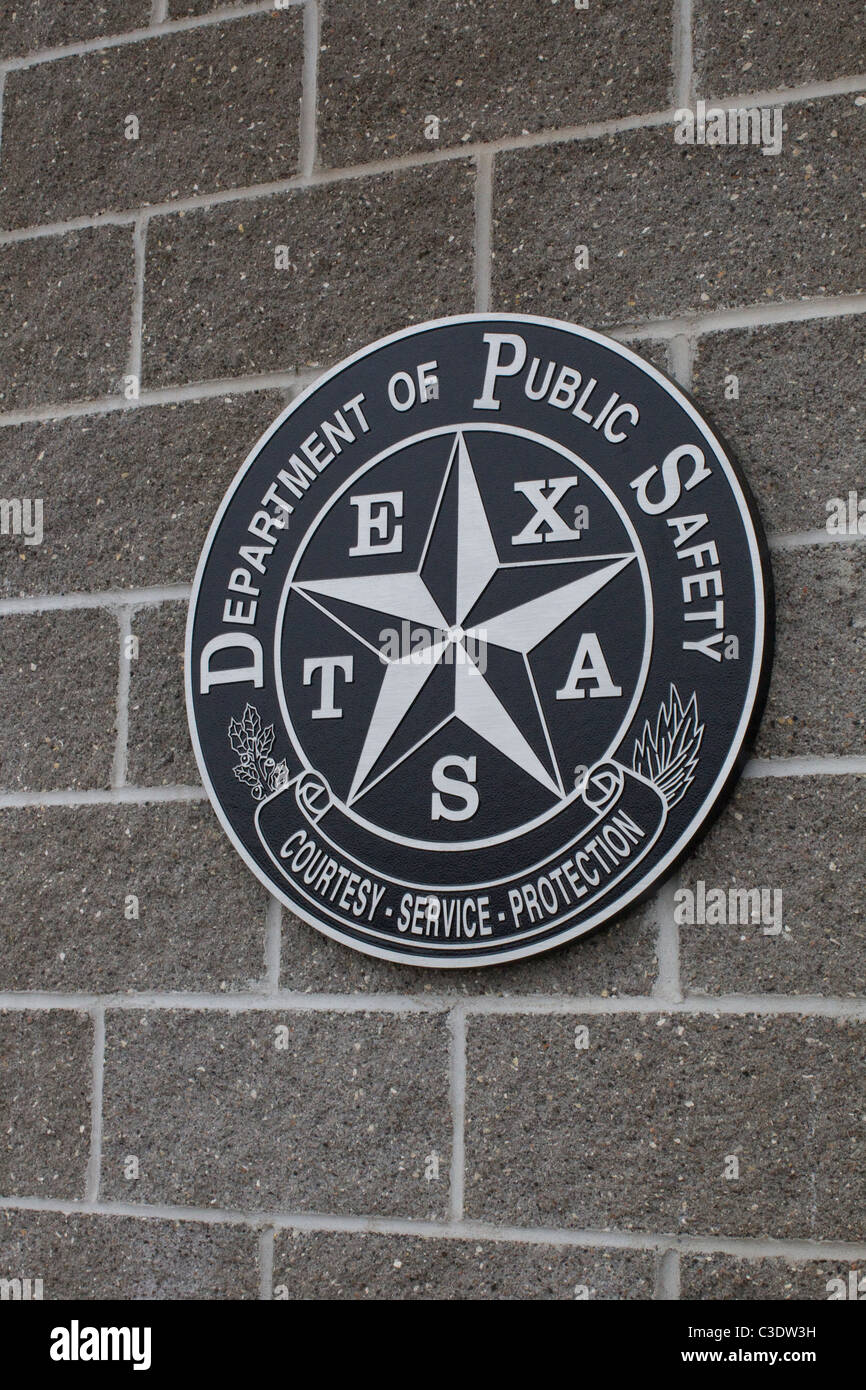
<point x="160" y="752"/>
<point x="100" y="1257"/>
<point x="658" y="353"/>
<point x="675" y="228"/>
<point x="636" y="1130"/>
<point x="82" y="281"/>
<point x="128" y="497"/>
<point x="817" y="698"/>
<point x="69" y="147"/>
<point x="365" y="257"/>
<point x="482" y="69"/>
<point x="75" y="876"/>
<point x="45" y="1067"/>
<point x="618" y="959"/>
<point x="811" y="886"/>
<point x="29" y="27"/>
<point x="59" y="675"/>
<point x="724" y="1278"/>
<point x="762" y="45"/>
<point x="790" y="397"/>
<point x="324" y="1265"/>
<point x="301" y="1112"/>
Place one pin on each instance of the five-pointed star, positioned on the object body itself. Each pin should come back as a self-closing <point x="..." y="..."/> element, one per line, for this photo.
<point x="518" y="629"/>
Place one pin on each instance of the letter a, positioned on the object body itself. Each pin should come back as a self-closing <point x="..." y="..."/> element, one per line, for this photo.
<point x="589" y="664"/>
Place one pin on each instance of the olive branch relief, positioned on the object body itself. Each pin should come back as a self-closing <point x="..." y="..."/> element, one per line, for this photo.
<point x="253" y="744"/>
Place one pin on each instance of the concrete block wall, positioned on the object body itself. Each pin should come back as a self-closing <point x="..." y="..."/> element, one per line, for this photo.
<point x="201" y="1097"/>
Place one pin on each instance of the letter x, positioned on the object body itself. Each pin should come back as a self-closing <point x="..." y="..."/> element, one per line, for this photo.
<point x="545" y="511"/>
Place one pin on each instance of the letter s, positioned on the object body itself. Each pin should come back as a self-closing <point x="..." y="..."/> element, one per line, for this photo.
<point x="454" y="787"/>
<point x="671" y="477"/>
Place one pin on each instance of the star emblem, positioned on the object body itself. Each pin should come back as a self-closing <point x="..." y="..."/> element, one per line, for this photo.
<point x="475" y="632"/>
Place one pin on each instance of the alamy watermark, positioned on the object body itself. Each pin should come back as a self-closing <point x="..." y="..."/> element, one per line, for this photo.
<point x="846" y="516"/>
<point x="720" y="907"/>
<point x="77" y="1343"/>
<point x="422" y="646"/>
<point x="852" y="1285"/>
<point x="735" y="125"/>
<point x="22" y="516"/>
<point x="21" y="1290"/>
